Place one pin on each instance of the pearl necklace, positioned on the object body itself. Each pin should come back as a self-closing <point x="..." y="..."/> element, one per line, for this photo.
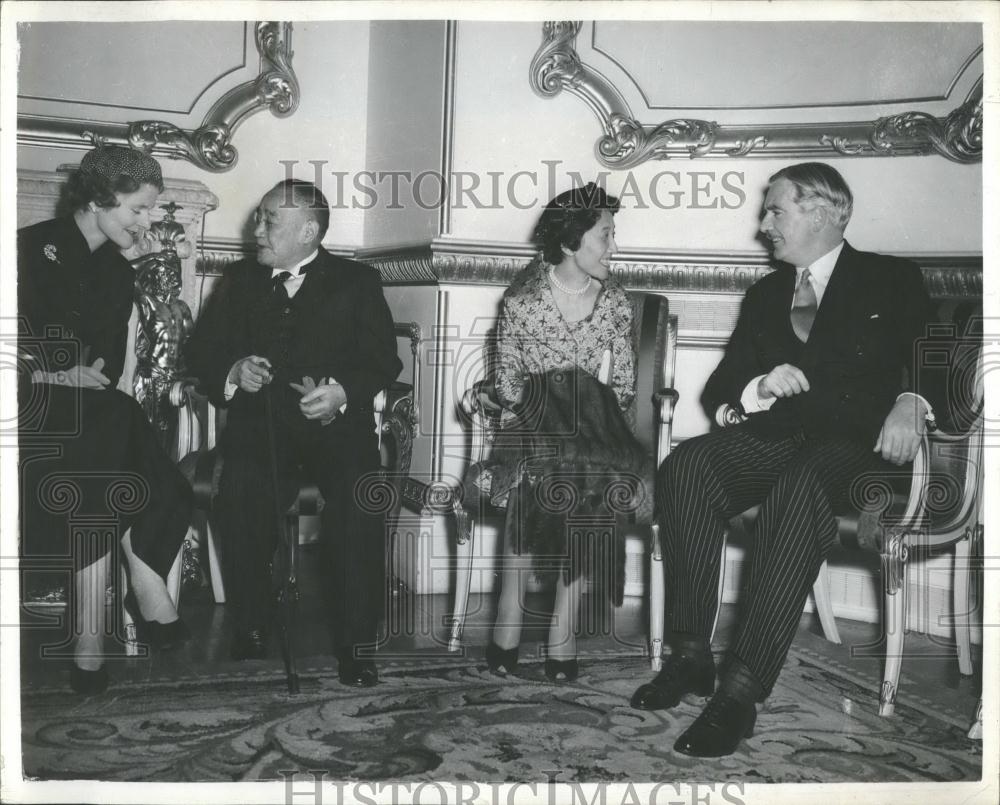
<point x="569" y="291"/>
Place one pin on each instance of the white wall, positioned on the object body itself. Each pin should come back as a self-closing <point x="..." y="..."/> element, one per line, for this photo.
<point x="331" y="62"/>
<point x="913" y="204"/>
<point x="404" y="124"/>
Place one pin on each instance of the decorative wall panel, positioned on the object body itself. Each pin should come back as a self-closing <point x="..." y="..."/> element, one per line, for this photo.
<point x="951" y="126"/>
<point x="52" y="117"/>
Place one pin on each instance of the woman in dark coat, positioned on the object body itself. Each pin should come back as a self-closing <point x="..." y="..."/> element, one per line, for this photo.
<point x="92" y="474"/>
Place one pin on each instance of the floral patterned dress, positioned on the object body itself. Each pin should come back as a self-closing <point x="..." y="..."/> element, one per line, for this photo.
<point x="533" y="337"/>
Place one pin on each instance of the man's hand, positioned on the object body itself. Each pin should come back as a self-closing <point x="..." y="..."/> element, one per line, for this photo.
<point x="320" y="402"/>
<point x="251" y="373"/>
<point x="782" y="381"/>
<point x="80" y="376"/>
<point x="902" y="431"/>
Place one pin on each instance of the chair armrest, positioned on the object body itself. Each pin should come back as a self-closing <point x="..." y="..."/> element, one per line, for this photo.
<point x="193" y="410"/>
<point x="729" y="415"/>
<point x="665" y="400"/>
<point x="481" y="400"/>
<point x="917" y="500"/>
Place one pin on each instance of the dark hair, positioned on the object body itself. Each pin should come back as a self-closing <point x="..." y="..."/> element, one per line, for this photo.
<point x="568" y="217"/>
<point x="105" y="171"/>
<point x="820" y="184"/>
<point x="300" y="193"/>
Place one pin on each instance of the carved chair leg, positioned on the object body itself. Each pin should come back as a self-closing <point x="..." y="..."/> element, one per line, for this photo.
<point x="722" y="585"/>
<point x="894" y="579"/>
<point x="463" y="574"/>
<point x="176" y="574"/>
<point x="961" y="606"/>
<point x="657" y="601"/>
<point x="824" y="608"/>
<point x="976" y="730"/>
<point x="131" y="641"/>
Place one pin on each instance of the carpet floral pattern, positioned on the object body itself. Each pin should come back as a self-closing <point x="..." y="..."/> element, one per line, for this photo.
<point x="456" y="721"/>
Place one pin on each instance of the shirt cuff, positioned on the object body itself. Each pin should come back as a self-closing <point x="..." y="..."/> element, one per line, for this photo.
<point x="929" y="416"/>
<point x="228" y="388"/>
<point x="329" y="381"/>
<point x="751" y="401"/>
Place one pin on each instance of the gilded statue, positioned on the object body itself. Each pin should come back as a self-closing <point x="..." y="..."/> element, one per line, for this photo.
<point x="164" y="322"/>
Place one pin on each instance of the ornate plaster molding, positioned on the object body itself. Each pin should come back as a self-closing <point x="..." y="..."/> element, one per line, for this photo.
<point x="627" y="142"/>
<point x="209" y="146"/>
<point x="460" y="262"/>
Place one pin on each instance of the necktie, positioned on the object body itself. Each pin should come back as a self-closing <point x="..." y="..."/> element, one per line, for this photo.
<point x="803" y="307"/>
<point x="278" y="285"/>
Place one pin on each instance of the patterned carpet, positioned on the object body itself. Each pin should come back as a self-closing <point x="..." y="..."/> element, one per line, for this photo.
<point x="456" y="721"/>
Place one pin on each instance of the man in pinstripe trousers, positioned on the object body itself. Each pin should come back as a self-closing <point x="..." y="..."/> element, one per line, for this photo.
<point x="816" y="367"/>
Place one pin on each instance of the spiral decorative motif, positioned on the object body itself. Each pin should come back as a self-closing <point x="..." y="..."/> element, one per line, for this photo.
<point x="59" y="494"/>
<point x="555" y="494"/>
<point x="842" y="145"/>
<point x="127" y="494"/>
<point x="277" y="93"/>
<point x="624" y="495"/>
<point x="556" y="62"/>
<point x="959" y="136"/>
<point x="731" y="416"/>
<point x="440" y="497"/>
<point x="375" y="494"/>
<point x="743" y="147"/>
<point x="213" y="148"/>
<point x="629" y="144"/>
<point x="871" y="492"/>
<point x="943" y="494"/>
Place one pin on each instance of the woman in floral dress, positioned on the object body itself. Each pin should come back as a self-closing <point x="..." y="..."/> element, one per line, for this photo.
<point x="562" y="312"/>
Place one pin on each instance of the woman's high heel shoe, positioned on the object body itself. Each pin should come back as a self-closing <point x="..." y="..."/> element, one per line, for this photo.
<point x="88" y="682"/>
<point x="562" y="670"/>
<point x="501" y="661"/>
<point x="156" y="634"/>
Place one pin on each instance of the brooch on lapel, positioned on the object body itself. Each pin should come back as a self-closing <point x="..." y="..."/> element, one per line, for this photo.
<point x="50" y="252"/>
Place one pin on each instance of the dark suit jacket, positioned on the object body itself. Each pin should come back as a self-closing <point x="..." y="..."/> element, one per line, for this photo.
<point x="344" y="330"/>
<point x="860" y="353"/>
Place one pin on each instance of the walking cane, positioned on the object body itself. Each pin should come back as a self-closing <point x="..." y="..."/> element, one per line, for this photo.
<point x="285" y="558"/>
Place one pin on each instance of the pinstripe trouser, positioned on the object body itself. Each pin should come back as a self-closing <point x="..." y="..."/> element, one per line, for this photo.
<point x="801" y="482"/>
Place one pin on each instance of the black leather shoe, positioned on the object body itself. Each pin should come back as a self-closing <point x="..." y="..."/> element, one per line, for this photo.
<point x="153" y="633"/>
<point x="358" y="673"/>
<point x="679" y="675"/>
<point x="502" y="661"/>
<point x="725" y="721"/>
<point x="88" y="682"/>
<point x="562" y="670"/>
<point x="249" y="645"/>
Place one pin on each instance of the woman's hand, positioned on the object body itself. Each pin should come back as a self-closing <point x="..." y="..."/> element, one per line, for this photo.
<point x="80" y="376"/>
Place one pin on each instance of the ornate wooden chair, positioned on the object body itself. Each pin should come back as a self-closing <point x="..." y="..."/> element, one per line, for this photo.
<point x="938" y="508"/>
<point x="655" y="337"/>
